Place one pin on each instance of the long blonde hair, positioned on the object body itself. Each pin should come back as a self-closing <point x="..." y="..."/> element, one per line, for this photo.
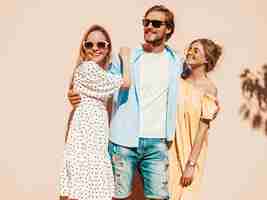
<point x="82" y="58"/>
<point x="82" y="53"/>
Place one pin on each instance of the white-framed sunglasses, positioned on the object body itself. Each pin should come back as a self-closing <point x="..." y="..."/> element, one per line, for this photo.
<point x="99" y="45"/>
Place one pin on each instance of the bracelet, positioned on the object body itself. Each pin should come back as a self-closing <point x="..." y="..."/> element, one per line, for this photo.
<point x="206" y="121"/>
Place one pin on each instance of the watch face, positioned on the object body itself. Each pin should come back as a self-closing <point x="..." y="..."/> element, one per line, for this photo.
<point x="191" y="163"/>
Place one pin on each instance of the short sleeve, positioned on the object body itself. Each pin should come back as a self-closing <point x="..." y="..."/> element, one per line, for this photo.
<point x="92" y="80"/>
<point x="209" y="107"/>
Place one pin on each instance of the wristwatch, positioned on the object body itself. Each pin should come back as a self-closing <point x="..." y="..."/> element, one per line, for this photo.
<point x="191" y="163"/>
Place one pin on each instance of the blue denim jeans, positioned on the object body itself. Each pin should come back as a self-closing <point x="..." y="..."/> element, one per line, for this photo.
<point x="150" y="158"/>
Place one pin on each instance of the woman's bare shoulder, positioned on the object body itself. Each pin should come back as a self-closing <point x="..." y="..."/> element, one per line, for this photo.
<point x="210" y="88"/>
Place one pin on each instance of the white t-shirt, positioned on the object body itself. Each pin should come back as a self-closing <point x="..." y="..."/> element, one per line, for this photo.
<point x="154" y="75"/>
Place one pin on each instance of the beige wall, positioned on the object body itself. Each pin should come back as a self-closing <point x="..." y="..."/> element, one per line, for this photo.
<point x="38" y="48"/>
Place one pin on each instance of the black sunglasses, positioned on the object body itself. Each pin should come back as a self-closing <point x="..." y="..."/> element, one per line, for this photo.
<point x="99" y="45"/>
<point x="155" y="23"/>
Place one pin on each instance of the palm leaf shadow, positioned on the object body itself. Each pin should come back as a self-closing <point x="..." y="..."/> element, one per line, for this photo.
<point x="254" y="94"/>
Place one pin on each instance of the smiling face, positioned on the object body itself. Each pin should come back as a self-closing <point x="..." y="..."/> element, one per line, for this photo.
<point x="195" y="55"/>
<point x="96" y="47"/>
<point x="155" y="28"/>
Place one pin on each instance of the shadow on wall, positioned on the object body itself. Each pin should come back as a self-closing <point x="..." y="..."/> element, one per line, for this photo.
<point x="254" y="92"/>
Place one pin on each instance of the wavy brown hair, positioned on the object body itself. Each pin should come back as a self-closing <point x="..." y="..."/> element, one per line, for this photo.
<point x="212" y="52"/>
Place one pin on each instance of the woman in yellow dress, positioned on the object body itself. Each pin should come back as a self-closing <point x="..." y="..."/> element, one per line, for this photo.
<point x="197" y="107"/>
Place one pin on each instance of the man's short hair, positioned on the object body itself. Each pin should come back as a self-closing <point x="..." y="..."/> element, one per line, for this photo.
<point x="169" y="17"/>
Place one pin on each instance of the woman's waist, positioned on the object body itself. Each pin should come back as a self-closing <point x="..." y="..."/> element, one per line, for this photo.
<point x="90" y="100"/>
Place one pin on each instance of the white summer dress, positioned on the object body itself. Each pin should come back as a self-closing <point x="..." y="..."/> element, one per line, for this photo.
<point x="87" y="171"/>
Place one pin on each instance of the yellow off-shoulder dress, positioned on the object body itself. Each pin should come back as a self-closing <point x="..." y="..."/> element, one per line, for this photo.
<point x="194" y="104"/>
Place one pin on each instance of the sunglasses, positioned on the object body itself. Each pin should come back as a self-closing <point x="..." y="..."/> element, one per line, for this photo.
<point x="191" y="50"/>
<point x="155" y="23"/>
<point x="99" y="45"/>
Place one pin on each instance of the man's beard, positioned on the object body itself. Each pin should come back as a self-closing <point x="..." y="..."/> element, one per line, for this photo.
<point x="155" y="42"/>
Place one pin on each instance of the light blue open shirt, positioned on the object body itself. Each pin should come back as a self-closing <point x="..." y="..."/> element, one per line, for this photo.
<point x="125" y="120"/>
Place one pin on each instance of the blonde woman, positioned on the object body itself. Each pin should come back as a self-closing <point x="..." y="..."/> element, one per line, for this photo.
<point x="87" y="172"/>
<point x="197" y="107"/>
